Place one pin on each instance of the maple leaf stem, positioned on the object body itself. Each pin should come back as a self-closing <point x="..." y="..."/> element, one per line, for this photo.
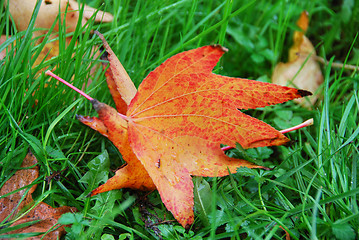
<point x="49" y="73"/>
<point x="302" y="125"/>
<point x="307" y="123"/>
<point x="226" y="148"/>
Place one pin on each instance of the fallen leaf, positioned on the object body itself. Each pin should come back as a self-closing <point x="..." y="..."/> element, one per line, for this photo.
<point x="21" y="178"/>
<point x="175" y="123"/>
<point x="10" y="206"/>
<point x="302" y="69"/>
<point x="21" y="12"/>
<point x="183" y="112"/>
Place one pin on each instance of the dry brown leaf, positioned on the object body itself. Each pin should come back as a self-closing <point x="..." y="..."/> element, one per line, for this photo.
<point x="21" y="12"/>
<point x="49" y="217"/>
<point x="47" y="214"/>
<point x="20" y="179"/>
<point x="302" y="69"/>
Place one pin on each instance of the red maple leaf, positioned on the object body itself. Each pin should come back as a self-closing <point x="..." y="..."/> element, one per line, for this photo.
<point x="175" y="123"/>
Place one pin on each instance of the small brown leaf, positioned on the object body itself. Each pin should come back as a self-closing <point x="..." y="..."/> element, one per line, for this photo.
<point x="48" y="216"/>
<point x="21" y="178"/>
<point x="10" y="205"/>
<point x="302" y="70"/>
<point x="21" y="12"/>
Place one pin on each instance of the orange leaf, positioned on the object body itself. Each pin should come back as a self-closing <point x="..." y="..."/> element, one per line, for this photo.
<point x="10" y="206"/>
<point x="176" y="122"/>
<point x="183" y="112"/>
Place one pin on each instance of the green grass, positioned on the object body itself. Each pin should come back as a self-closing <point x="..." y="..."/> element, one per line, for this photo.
<point x="312" y="192"/>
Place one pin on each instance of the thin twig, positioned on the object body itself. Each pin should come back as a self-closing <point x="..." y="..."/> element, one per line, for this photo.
<point x="337" y="65"/>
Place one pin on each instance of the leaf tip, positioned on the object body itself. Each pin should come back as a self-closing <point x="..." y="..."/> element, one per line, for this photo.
<point x="102" y="38"/>
<point x="304" y="93"/>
